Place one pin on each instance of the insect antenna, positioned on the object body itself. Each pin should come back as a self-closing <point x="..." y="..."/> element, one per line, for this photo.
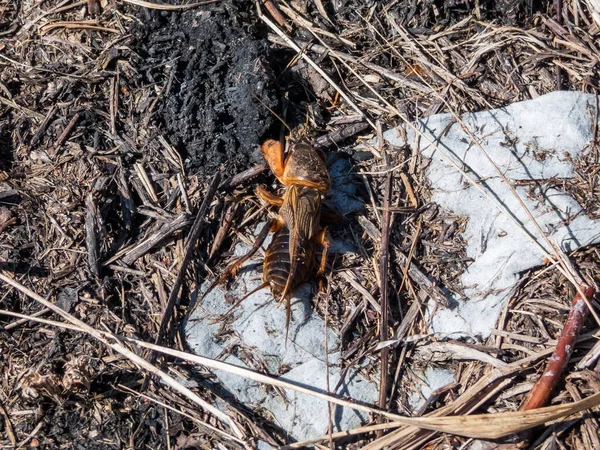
<point x="273" y="112"/>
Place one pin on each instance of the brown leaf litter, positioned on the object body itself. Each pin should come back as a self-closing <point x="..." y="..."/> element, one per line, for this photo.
<point x="114" y="121"/>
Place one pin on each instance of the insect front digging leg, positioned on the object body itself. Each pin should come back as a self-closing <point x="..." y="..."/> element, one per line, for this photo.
<point x="268" y="197"/>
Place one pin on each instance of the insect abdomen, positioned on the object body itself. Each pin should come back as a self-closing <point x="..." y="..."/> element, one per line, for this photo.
<point x="276" y="266"/>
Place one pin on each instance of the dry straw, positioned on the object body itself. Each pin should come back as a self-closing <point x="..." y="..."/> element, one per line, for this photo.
<point x="489" y="426"/>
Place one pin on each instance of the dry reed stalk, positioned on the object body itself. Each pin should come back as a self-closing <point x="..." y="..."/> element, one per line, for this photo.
<point x="117" y="346"/>
<point x="487" y="426"/>
<point x="165" y="7"/>
<point x="543" y="388"/>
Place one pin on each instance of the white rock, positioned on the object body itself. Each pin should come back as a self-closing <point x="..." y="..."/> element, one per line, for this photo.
<point x="433" y="378"/>
<point x="532" y="141"/>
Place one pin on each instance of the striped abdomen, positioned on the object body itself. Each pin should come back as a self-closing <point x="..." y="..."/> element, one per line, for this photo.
<point x="276" y="267"/>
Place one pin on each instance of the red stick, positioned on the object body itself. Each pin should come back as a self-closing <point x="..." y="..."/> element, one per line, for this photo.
<point x="540" y="394"/>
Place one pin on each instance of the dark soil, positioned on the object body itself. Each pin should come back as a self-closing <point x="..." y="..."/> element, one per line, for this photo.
<point x="427" y="17"/>
<point x="6" y="156"/>
<point x="211" y="110"/>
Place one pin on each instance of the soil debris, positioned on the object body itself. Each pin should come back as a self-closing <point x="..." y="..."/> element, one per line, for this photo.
<point x="214" y="108"/>
<point x="114" y="120"/>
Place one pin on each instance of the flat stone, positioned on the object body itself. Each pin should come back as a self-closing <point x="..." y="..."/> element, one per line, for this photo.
<point x="534" y="141"/>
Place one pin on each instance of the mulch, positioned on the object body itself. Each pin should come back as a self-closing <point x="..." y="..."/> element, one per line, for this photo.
<point x="129" y="139"/>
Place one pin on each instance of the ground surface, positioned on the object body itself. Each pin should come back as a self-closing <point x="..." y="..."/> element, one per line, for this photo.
<point x="218" y="72"/>
<point x="114" y="120"/>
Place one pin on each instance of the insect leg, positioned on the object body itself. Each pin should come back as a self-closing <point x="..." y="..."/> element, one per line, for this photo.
<point x="222" y="317"/>
<point x="322" y="238"/>
<point x="273" y="154"/>
<point x="268" y="197"/>
<point x="235" y="265"/>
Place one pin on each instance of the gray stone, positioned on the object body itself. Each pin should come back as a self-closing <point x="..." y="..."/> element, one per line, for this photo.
<point x="534" y="141"/>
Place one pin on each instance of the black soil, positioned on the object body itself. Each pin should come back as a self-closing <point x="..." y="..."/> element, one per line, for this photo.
<point x="428" y="17"/>
<point x="211" y="110"/>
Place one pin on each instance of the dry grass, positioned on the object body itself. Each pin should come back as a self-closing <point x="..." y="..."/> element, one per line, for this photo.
<point x="96" y="208"/>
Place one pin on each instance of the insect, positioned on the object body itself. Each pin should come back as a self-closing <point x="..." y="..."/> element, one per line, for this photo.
<point x="290" y="257"/>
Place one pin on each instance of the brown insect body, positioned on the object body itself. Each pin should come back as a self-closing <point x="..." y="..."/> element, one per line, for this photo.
<point x="289" y="259"/>
<point x="276" y="267"/>
<point x="305" y="166"/>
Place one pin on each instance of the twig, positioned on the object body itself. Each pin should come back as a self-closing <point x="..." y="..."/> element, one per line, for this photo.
<point x="31" y="435"/>
<point x="341" y="134"/>
<point x="6" y="223"/>
<point x="348" y="276"/>
<point x="559" y="82"/>
<point x="192" y="237"/>
<point x="10" y="30"/>
<point x="342" y="434"/>
<point x="77" y="25"/>
<point x="8" y="426"/>
<point x="113" y="103"/>
<point x="93" y="7"/>
<point x="163" y="7"/>
<point x="184" y="195"/>
<point x="327" y="374"/>
<point x="65" y="134"/>
<point x="128" y="270"/>
<point x="540" y="394"/>
<point x="411" y="252"/>
<point x="60" y="7"/>
<point x="304" y="23"/>
<point x="409" y="190"/>
<point x="569" y="39"/>
<point x="42" y="128"/>
<point x="383" y="289"/>
<point x="457" y="351"/>
<point x="146" y="181"/>
<point x="166" y="230"/>
<point x="230" y="214"/>
<point x="91" y="241"/>
<point x="243" y="176"/>
<point x="20" y="322"/>
<point x="415" y="274"/>
<point x="344" y="120"/>
<point x="590" y="358"/>
<point x="34" y="115"/>
<point x="127" y="205"/>
<point x="322" y="11"/>
<point x="173" y="155"/>
<point x="276" y="14"/>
